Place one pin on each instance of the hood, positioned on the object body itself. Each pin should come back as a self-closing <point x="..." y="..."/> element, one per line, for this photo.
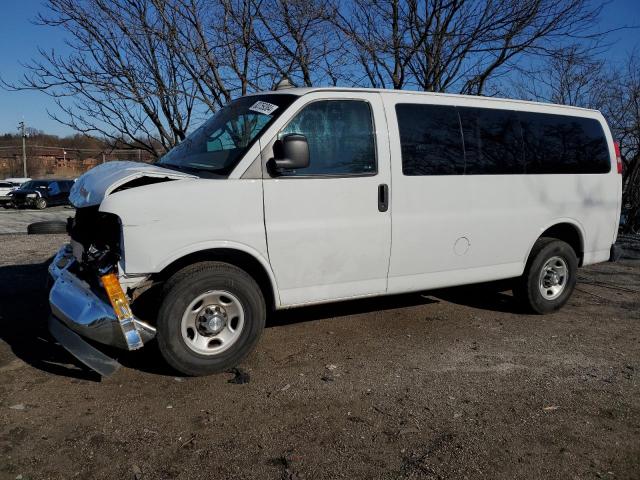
<point x="92" y="187"/>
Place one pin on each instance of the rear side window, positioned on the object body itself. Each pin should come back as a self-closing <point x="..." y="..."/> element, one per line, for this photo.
<point x="340" y="135"/>
<point x="53" y="188"/>
<point x="492" y="141"/>
<point x="449" y="140"/>
<point x="430" y="140"/>
<point x="563" y="144"/>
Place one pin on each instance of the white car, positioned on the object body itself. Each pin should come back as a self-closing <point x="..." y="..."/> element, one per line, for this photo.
<point x="304" y="196"/>
<point x="9" y="185"/>
<point x="5" y="188"/>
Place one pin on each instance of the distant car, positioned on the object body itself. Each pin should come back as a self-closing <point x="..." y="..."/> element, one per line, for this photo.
<point x="17" y="181"/>
<point x="42" y="193"/>
<point x="8" y="185"/>
<point x="5" y="188"/>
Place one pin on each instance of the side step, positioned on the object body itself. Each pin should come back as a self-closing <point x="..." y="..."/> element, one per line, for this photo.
<point x="82" y="350"/>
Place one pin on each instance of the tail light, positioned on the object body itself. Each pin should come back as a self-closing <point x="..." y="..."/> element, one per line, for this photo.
<point x="616" y="145"/>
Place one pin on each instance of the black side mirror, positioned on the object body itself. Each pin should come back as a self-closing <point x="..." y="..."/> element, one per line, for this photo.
<point x="291" y="152"/>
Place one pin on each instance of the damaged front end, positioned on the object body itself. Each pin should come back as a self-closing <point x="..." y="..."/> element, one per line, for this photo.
<point x="87" y="298"/>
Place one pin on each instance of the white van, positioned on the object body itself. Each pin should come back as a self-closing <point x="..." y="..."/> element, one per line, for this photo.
<point x="303" y="196"/>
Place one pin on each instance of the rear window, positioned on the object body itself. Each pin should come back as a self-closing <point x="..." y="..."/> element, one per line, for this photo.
<point x="563" y="144"/>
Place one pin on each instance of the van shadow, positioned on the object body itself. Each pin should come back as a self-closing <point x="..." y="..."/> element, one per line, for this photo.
<point x="492" y="296"/>
<point x="24" y="311"/>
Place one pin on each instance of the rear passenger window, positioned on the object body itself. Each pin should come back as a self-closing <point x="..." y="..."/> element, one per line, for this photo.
<point x="53" y="188"/>
<point x="492" y="141"/>
<point x="430" y="140"/>
<point x="498" y="142"/>
<point x="340" y="136"/>
<point x="563" y="144"/>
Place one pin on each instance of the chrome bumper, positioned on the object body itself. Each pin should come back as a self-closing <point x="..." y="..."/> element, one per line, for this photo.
<point x="74" y="303"/>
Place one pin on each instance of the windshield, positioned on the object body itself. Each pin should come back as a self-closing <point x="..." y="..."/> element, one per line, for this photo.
<point x="221" y="142"/>
<point x="33" y="185"/>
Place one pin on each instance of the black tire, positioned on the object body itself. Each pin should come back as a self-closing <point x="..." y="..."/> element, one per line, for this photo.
<point x="41" y="203"/>
<point x="527" y="289"/>
<point x="185" y="286"/>
<point x="53" y="226"/>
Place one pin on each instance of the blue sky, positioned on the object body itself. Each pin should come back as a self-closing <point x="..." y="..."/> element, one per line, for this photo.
<point x="20" y="39"/>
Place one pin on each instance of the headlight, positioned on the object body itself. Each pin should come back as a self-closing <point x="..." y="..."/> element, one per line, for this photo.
<point x="31" y="195"/>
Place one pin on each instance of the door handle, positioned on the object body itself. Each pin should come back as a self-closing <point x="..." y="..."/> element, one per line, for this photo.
<point x="383" y="197"/>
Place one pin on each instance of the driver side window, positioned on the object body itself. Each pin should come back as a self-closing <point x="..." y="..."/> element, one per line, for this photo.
<point x="340" y="135"/>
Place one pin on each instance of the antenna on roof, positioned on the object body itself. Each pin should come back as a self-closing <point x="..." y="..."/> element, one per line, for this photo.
<point x="284" y="84"/>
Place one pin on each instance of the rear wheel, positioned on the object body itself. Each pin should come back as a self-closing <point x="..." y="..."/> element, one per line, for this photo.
<point x="211" y="317"/>
<point x="549" y="277"/>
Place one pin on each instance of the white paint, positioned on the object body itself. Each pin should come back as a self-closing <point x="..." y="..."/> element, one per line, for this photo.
<point x="323" y="239"/>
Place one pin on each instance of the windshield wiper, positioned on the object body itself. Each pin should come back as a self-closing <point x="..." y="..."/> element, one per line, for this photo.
<point x="186" y="169"/>
<point x="172" y="166"/>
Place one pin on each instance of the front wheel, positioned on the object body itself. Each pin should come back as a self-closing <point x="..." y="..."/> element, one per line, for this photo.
<point x="549" y="277"/>
<point x="211" y="317"/>
<point x="41" y="203"/>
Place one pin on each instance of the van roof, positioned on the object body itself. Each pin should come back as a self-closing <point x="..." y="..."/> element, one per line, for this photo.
<point x="299" y="91"/>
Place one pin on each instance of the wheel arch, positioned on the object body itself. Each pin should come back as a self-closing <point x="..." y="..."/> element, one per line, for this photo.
<point x="567" y="230"/>
<point x="249" y="261"/>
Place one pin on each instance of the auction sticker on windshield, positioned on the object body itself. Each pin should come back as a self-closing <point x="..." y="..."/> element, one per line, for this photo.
<point x="263" y="107"/>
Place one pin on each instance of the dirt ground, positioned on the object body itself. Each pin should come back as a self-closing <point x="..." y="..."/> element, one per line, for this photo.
<point x="450" y="384"/>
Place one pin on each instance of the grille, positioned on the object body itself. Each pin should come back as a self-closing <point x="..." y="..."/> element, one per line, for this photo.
<point x="92" y="228"/>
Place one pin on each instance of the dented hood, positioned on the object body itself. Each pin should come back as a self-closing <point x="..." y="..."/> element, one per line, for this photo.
<point x="92" y="187"/>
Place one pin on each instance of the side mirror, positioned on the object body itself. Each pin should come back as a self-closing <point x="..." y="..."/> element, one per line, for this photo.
<point x="291" y="152"/>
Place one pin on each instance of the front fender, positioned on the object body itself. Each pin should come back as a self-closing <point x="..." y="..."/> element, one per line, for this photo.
<point x="227" y="245"/>
<point x="163" y="222"/>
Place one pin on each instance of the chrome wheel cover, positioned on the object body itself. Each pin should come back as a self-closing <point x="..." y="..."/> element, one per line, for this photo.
<point x="212" y="322"/>
<point x="553" y="279"/>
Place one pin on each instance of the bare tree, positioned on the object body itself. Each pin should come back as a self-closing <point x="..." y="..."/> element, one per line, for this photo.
<point x="296" y="41"/>
<point x="140" y="71"/>
<point x="623" y="114"/>
<point x="376" y="39"/>
<point x="121" y="79"/>
<point x="216" y="47"/>
<point x="569" y="76"/>
<point x="459" y="45"/>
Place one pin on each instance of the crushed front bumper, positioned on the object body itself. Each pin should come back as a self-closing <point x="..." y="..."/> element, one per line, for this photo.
<point x="24" y="201"/>
<point x="88" y="313"/>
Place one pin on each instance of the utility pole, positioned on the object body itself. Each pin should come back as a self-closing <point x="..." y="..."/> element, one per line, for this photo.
<point x="23" y="127"/>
